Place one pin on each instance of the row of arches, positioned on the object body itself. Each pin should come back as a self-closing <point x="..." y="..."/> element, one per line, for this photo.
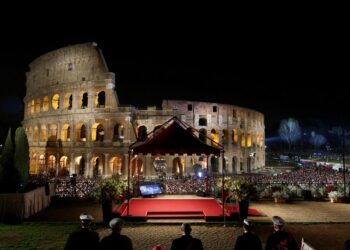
<point x="55" y="165"/>
<point x="44" y="133"/>
<point x="54" y="103"/>
<point x="62" y="165"/>
<point x="237" y="136"/>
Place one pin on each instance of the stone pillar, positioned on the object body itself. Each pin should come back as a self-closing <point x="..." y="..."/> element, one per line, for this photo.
<point x="72" y="169"/>
<point x="106" y="170"/>
<point x="125" y="165"/>
<point x="88" y="167"/>
<point x="75" y="100"/>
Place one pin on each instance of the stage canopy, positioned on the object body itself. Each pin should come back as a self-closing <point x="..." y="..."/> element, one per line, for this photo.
<point x="175" y="137"/>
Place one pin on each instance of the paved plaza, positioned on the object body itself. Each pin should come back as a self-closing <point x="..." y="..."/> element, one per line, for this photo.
<point x="324" y="225"/>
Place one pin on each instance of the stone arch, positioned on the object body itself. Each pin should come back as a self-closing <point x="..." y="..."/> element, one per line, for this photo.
<point x="234" y="164"/>
<point x="51" y="165"/>
<point x="243" y="140"/>
<point x="68" y="101"/>
<point x="100" y="100"/>
<point x="43" y="133"/>
<point x="97" y="132"/>
<point x="32" y="107"/>
<point x="81" y="132"/>
<point x="203" y="135"/>
<point x="202" y="121"/>
<point x="214" y="135"/>
<point x="234" y="136"/>
<point x="65" y="132"/>
<point x="55" y="102"/>
<point x="37" y="105"/>
<point x="52" y="133"/>
<point x="224" y="136"/>
<point x="118" y="132"/>
<point x="136" y="166"/>
<point x="46" y="103"/>
<point x="178" y="167"/>
<point x="64" y="166"/>
<point x="42" y="163"/>
<point x="214" y="164"/>
<point x="97" y="166"/>
<point x="79" y="165"/>
<point x="30" y="134"/>
<point x="33" y="168"/>
<point x="249" y="140"/>
<point x="83" y="100"/>
<point x="142" y="133"/>
<point x="36" y="134"/>
<point x="116" y="165"/>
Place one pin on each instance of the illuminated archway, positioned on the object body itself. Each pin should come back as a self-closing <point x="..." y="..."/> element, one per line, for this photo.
<point x="81" y="132"/>
<point x="79" y="165"/>
<point x="65" y="132"/>
<point x="100" y="100"/>
<point x="97" y="166"/>
<point x="64" y="167"/>
<point x="43" y="133"/>
<point x="136" y="166"/>
<point x="46" y="103"/>
<point x="38" y="105"/>
<point x="178" y="167"/>
<point x="115" y="165"/>
<point x="97" y="132"/>
<point x="234" y="136"/>
<point x="214" y="135"/>
<point x="118" y="132"/>
<point x="36" y="134"/>
<point x="68" y="101"/>
<point x="53" y="133"/>
<point x="52" y="166"/>
<point x="55" y="103"/>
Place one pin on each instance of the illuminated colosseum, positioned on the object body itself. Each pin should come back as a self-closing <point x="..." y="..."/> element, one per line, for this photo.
<point x="75" y="124"/>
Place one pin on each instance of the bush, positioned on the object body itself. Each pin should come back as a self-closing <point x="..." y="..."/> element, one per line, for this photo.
<point x="335" y="194"/>
<point x="110" y="190"/>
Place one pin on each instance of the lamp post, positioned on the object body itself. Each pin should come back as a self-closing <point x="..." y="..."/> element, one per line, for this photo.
<point x="250" y="157"/>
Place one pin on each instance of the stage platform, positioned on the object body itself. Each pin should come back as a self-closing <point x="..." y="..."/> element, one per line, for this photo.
<point x="176" y="207"/>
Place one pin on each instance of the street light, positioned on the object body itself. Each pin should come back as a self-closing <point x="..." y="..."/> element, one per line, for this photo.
<point x="250" y="157"/>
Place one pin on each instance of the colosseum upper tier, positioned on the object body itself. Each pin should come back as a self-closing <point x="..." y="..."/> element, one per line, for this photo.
<point x="75" y="124"/>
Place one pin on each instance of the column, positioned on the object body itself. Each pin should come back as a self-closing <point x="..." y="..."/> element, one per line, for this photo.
<point x="106" y="171"/>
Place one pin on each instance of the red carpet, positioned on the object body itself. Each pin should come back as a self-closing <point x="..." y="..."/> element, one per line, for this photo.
<point x="177" y="208"/>
<point x="232" y="209"/>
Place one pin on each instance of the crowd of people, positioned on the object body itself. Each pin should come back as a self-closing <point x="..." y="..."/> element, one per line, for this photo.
<point x="81" y="187"/>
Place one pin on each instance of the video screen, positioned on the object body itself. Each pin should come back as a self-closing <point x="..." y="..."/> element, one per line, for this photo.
<point x="150" y="189"/>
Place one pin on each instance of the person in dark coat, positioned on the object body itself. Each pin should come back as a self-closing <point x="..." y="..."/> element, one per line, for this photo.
<point x="281" y="239"/>
<point x="249" y="240"/>
<point x="116" y="240"/>
<point x="186" y="241"/>
<point x="84" y="238"/>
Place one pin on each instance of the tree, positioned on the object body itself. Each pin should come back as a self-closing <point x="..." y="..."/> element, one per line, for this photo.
<point x="21" y="156"/>
<point x="8" y="174"/>
<point x="289" y="131"/>
<point x="318" y="140"/>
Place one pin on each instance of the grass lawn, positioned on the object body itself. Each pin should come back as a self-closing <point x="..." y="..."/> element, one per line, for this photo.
<point x="35" y="235"/>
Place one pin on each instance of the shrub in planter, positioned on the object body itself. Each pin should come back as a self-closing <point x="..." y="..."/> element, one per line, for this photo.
<point x="108" y="190"/>
<point x="335" y="196"/>
<point x="280" y="196"/>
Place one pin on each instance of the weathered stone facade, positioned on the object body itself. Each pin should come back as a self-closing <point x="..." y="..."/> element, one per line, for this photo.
<point x="75" y="124"/>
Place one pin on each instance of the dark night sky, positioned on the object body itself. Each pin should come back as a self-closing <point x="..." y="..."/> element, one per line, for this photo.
<point x="201" y="61"/>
